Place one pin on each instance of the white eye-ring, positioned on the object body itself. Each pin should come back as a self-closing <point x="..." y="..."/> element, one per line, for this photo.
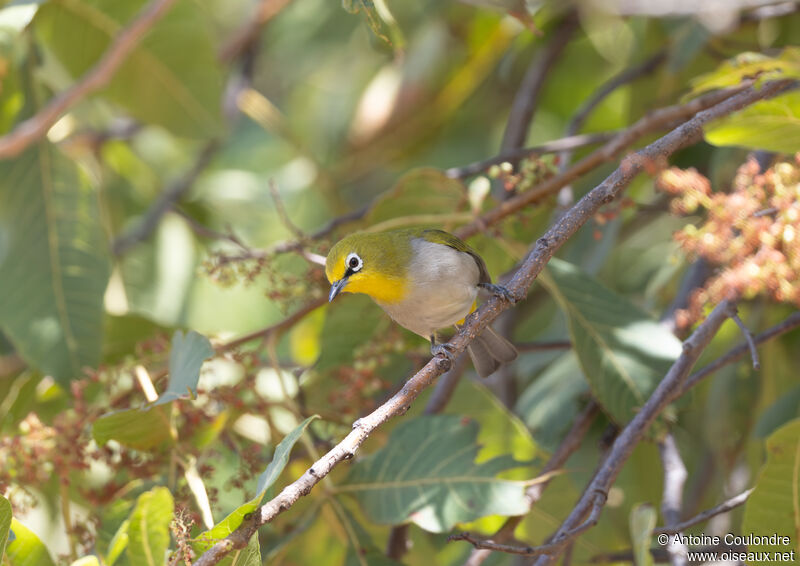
<point x="353" y="262"/>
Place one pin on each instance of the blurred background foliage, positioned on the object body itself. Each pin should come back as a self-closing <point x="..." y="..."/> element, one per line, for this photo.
<point x="198" y="191"/>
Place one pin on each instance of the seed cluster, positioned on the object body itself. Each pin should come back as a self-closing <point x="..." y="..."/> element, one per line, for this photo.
<point x="751" y="233"/>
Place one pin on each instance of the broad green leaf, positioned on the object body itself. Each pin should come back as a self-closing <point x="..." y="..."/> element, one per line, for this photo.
<point x="749" y="65"/>
<point x="141" y="429"/>
<point x="641" y="523"/>
<point x="265" y="481"/>
<point x="784" y="409"/>
<point x="86" y="561"/>
<point x="360" y="316"/>
<point x="623" y="352"/>
<point x="772" y="125"/>
<point x="5" y="524"/>
<point x="361" y="548"/>
<point x="26" y="549"/>
<point x="185" y="359"/>
<point x="418" y="195"/>
<point x="774" y="506"/>
<point x="118" y="544"/>
<point x="148" y="528"/>
<point x="550" y="403"/>
<point x="172" y="78"/>
<point x="427" y="473"/>
<point x="53" y="263"/>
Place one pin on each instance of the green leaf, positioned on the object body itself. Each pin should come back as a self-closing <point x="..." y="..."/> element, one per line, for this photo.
<point x="550" y="403"/>
<point x="418" y="192"/>
<point x="118" y="544"/>
<point x="141" y="429"/>
<point x="641" y="523"/>
<point x="148" y="529"/>
<point x="785" y="408"/>
<point x="774" y="506"/>
<point x="279" y="460"/>
<point x="26" y="549"/>
<point x="90" y="560"/>
<point x="185" y="359"/>
<point x="172" y="78"/>
<point x="5" y="524"/>
<point x="749" y="65"/>
<point x="53" y="263"/>
<point x="427" y="473"/>
<point x="359" y="315"/>
<point x="772" y="125"/>
<point x="623" y="352"/>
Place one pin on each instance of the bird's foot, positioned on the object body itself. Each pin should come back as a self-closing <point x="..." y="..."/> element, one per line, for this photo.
<point x="500" y="291"/>
<point x="445" y="351"/>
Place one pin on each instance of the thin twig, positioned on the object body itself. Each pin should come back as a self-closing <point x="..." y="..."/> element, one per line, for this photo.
<point x="165" y="201"/>
<point x="547" y="548"/>
<point x="723" y="507"/>
<point x="282" y="214"/>
<point x="675" y="475"/>
<point x="527" y="97"/>
<point x="653" y="120"/>
<point x="97" y="77"/>
<point x="539" y="255"/>
<point x="791" y="322"/>
<point x="634" y="431"/>
<point x="276" y="328"/>
<point x="748" y="336"/>
<point x="516" y="155"/>
<point x="584" y="111"/>
<point x="247" y="35"/>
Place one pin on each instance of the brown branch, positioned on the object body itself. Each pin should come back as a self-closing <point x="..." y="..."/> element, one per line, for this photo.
<point x="584" y="111"/>
<point x="97" y="77"/>
<point x="165" y="201"/>
<point x="540" y="254"/>
<point x="723" y="507"/>
<point x="748" y="336"/>
<point x="283" y="215"/>
<point x="276" y="328"/>
<point x="735" y="353"/>
<point x="298" y="245"/>
<point x="672" y="500"/>
<point x="516" y="155"/>
<point x="527" y="98"/>
<point x="589" y="505"/>
<point x="247" y="35"/>
<point x="654" y="120"/>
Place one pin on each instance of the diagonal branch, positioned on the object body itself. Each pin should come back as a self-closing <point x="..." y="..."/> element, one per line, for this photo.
<point x="586" y="512"/>
<point x="540" y="254"/>
<point x="165" y="201"/>
<point x="97" y="77"/>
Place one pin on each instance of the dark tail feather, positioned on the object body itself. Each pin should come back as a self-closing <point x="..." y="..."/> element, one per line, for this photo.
<point x="489" y="351"/>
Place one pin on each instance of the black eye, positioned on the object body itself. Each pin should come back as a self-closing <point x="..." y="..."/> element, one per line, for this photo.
<point x="354" y="262"/>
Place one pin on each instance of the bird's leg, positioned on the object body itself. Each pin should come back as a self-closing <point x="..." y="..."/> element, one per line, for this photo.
<point x="499" y="291"/>
<point x="444" y="350"/>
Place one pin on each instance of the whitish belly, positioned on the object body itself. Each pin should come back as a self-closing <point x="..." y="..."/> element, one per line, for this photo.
<point x="425" y="312"/>
<point x="442" y="290"/>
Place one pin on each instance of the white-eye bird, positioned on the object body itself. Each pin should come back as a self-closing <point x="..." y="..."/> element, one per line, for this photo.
<point x="425" y="280"/>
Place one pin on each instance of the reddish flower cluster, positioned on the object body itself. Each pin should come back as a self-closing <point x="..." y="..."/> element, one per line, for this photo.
<point x="752" y="232"/>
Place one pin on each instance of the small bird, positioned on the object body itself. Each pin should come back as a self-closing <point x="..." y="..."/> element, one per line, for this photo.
<point x="425" y="280"/>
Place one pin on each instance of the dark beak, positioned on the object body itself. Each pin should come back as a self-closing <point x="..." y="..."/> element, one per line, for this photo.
<point x="336" y="288"/>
